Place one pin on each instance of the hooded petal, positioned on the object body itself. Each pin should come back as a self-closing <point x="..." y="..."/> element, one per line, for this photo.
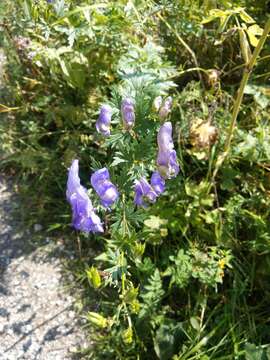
<point x="73" y="179"/>
<point x="128" y="113"/>
<point x="164" y="138"/>
<point x="105" y="189"/>
<point x="84" y="217"/>
<point x="166" y="159"/>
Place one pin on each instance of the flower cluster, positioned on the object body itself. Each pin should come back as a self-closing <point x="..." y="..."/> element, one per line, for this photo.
<point x="167" y="168"/>
<point x="163" y="107"/>
<point x="149" y="192"/>
<point x="84" y="217"/>
<point x="166" y="160"/>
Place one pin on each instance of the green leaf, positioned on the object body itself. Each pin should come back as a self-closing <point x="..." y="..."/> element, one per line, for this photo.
<point x="215" y="14"/>
<point x="117" y="161"/>
<point x="246" y="17"/>
<point x="195" y="323"/>
<point x="27" y="9"/>
<point x="79" y="9"/>
<point x="94" y="277"/>
<point x="253" y="32"/>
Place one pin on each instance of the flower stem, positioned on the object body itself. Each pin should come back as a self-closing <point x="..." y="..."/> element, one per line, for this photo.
<point x="183" y="43"/>
<point x="236" y="108"/>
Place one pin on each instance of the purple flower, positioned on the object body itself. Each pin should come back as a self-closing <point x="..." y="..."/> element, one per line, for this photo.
<point x="105" y="189"/>
<point x="157" y="182"/>
<point x="166" y="159"/>
<point x="84" y="217"/>
<point x="104" y="120"/>
<point x="143" y="190"/>
<point x="128" y="113"/>
<point x="165" y="108"/>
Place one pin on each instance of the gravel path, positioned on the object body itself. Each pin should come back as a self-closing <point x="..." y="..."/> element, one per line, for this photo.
<point x="37" y="319"/>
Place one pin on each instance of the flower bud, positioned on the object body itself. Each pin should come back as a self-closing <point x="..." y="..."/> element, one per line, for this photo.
<point x="94" y="277"/>
<point x="127" y="336"/>
<point x="97" y="319"/>
<point x="84" y="217"/>
<point x="157" y="103"/>
<point x="105" y="189"/>
<point x="128" y="113"/>
<point x="104" y="120"/>
<point x="165" y="109"/>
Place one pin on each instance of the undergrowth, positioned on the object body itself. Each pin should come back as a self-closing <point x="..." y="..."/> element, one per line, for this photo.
<point x="187" y="277"/>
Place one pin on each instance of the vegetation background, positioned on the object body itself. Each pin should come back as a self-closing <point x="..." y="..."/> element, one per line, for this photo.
<point x="187" y="278"/>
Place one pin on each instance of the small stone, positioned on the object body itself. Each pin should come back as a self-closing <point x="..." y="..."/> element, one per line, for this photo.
<point x="9" y="331"/>
<point x="27" y="328"/>
<point x="71" y="314"/>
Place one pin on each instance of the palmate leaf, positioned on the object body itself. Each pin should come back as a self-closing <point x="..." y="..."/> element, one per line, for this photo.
<point x="117" y="160"/>
<point x="117" y="140"/>
<point x="146" y="60"/>
<point x="126" y="219"/>
<point x="153" y="292"/>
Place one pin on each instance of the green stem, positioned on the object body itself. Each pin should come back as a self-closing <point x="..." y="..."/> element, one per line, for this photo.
<point x="186" y="46"/>
<point x="247" y="71"/>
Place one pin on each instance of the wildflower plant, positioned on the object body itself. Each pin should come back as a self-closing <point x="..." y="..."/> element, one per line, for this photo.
<point x="135" y="127"/>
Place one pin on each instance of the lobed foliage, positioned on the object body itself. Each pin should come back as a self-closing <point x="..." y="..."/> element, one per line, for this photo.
<point x="187" y="277"/>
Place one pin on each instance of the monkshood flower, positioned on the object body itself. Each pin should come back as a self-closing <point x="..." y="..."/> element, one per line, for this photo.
<point x="105" y="189"/>
<point x="144" y="191"/>
<point x="157" y="182"/>
<point x="165" y="109"/>
<point x="166" y="159"/>
<point x="84" y="217"/>
<point x="128" y="113"/>
<point x="104" y="120"/>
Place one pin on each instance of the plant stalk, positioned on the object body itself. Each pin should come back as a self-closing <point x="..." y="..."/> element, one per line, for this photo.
<point x="186" y="46"/>
<point x="236" y="108"/>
